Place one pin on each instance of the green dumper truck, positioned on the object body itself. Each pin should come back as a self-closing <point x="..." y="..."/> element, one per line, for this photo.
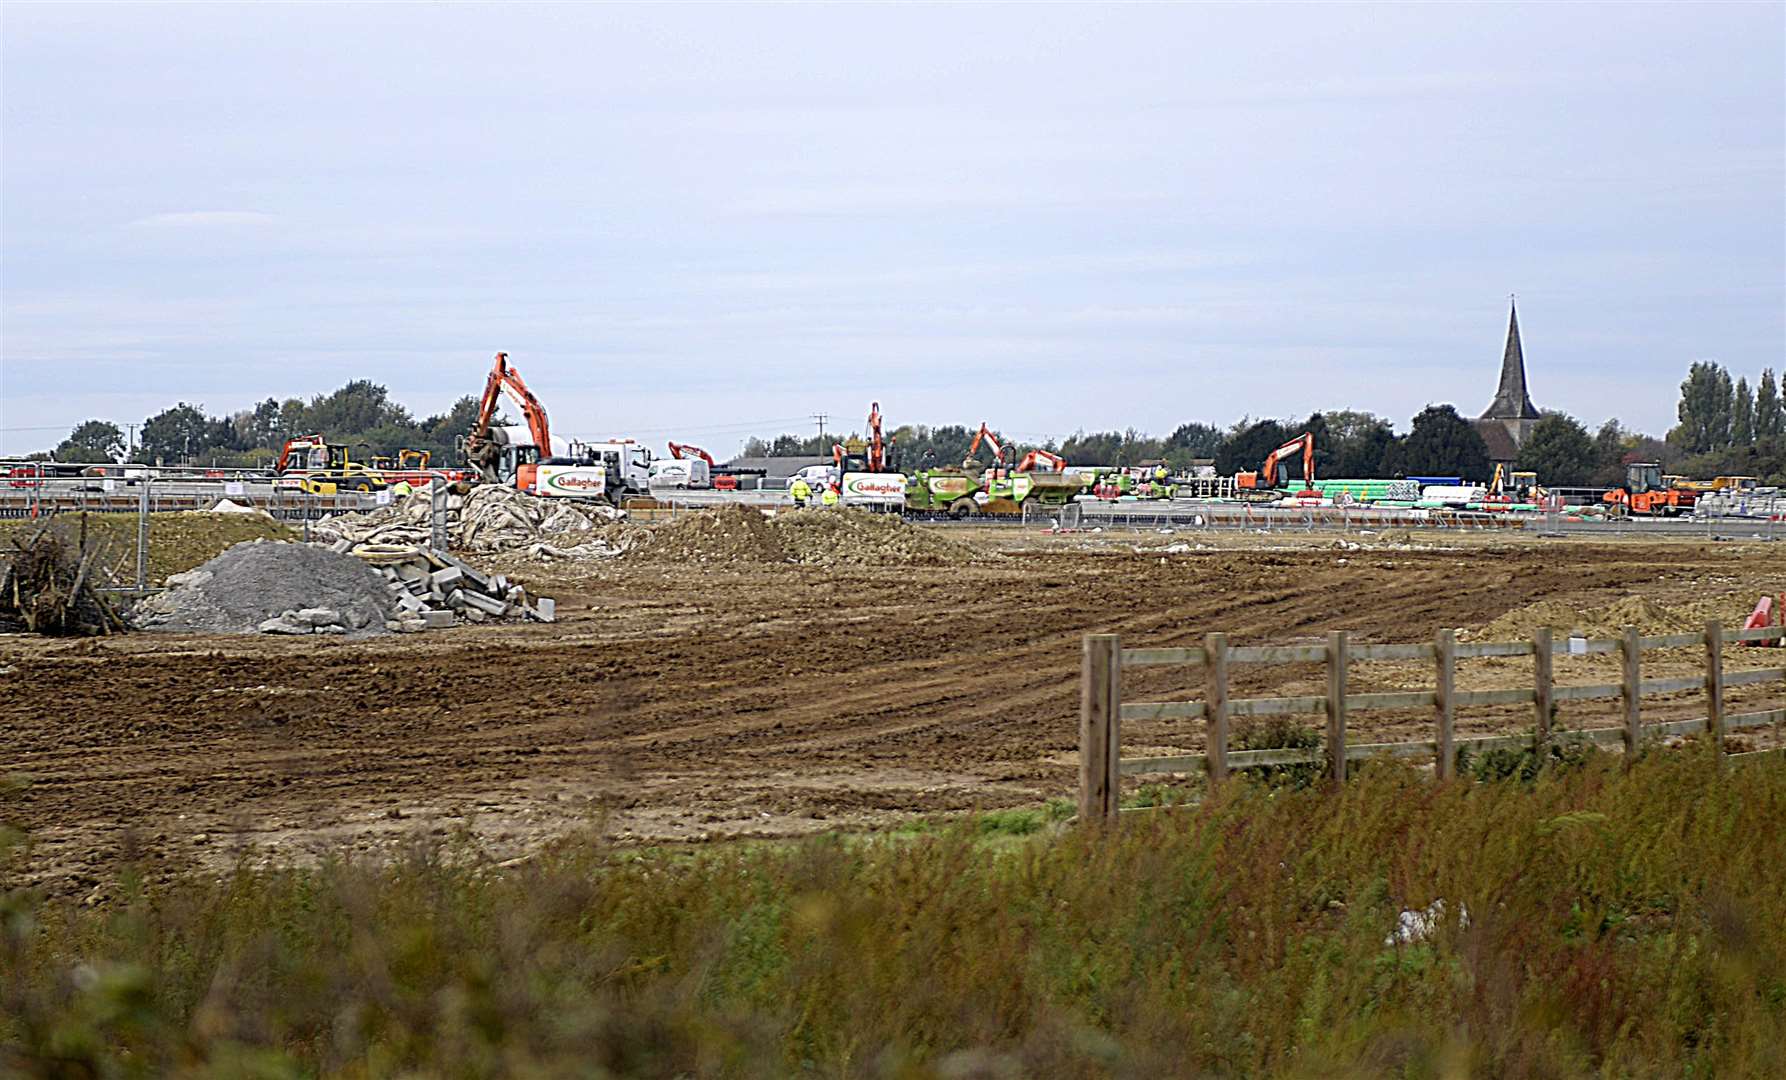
<point x="965" y="492"/>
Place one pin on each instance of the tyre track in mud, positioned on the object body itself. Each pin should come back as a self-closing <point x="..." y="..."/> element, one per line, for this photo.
<point x="674" y="696"/>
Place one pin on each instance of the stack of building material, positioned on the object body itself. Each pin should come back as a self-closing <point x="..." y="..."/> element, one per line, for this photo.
<point x="1370" y="491"/>
<point x="434" y="588"/>
<point x="1435" y="496"/>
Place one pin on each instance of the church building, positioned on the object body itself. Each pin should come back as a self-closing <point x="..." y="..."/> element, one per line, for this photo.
<point x="1509" y="419"/>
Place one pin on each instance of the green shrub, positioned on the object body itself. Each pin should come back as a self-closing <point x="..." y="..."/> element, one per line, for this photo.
<point x="1281" y="733"/>
<point x="1525" y="762"/>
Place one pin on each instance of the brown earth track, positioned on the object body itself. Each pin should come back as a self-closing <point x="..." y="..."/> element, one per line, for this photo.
<point x="680" y="704"/>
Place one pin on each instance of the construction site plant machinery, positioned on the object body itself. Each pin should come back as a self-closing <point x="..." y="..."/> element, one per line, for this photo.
<point x="872" y="453"/>
<point x="531" y="459"/>
<point x="956" y="490"/>
<point x="1508" y="489"/>
<point x="1736" y="485"/>
<point x="722" y="477"/>
<point x="312" y="464"/>
<point x="866" y="475"/>
<point x="1273" y="476"/>
<point x="687" y="467"/>
<point x="1042" y="460"/>
<point x="625" y="465"/>
<point x="999" y="489"/>
<point x="1645" y="493"/>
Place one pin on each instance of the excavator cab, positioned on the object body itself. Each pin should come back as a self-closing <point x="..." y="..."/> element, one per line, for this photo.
<point x="851" y="455"/>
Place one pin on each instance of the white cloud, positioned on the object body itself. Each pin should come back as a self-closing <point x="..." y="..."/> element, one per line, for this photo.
<point x="203" y="219"/>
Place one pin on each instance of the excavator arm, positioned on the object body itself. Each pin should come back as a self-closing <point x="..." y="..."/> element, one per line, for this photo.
<point x="985" y="435"/>
<point x="683" y="450"/>
<point x="877" y="448"/>
<point x="1054" y="462"/>
<point x="505" y="380"/>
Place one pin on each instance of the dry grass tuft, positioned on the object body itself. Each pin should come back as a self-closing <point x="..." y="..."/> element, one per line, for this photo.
<point x="1583" y="921"/>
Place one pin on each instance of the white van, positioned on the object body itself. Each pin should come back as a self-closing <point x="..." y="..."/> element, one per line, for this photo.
<point x="817" y="477"/>
<point x="680" y="473"/>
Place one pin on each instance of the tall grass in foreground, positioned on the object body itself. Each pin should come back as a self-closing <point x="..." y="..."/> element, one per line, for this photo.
<point x="1592" y="923"/>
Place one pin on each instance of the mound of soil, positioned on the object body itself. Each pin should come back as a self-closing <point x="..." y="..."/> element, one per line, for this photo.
<point x="819" y="537"/>
<point x="254" y="582"/>
<point x="731" y="534"/>
<point x="856" y="538"/>
<point x="1607" y="621"/>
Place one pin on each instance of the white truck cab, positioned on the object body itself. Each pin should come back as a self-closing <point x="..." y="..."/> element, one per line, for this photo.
<point x="628" y="465"/>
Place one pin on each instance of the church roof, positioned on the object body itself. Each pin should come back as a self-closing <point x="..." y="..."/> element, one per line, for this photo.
<point x="1498" y="440"/>
<point x="1512" y="402"/>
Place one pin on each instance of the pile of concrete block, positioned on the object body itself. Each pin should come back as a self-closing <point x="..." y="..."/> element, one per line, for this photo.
<point x="434" y="589"/>
<point x="309" y="621"/>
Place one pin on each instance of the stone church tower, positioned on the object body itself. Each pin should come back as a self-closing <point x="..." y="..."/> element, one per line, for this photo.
<point x="1509" y="419"/>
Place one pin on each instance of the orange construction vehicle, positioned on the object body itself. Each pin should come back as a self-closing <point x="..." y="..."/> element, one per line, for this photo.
<point x="1269" y="482"/>
<point x="721" y="481"/>
<point x="1049" y="461"/>
<point x="501" y="454"/>
<point x="870" y="455"/>
<point x="1645" y="493"/>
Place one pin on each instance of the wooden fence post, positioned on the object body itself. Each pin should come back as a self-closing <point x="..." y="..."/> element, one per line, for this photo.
<point x="1631" y="651"/>
<point x="1445" y="703"/>
<point x="1541" y="683"/>
<point x="1100" y="706"/>
<point x="1714" y="688"/>
<point x="1215" y="706"/>
<point x="1336" y="706"/>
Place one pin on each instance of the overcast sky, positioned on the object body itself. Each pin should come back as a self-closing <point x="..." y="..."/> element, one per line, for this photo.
<point x="701" y="222"/>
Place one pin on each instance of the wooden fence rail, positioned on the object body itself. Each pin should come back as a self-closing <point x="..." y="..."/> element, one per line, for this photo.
<point x="1103" y="711"/>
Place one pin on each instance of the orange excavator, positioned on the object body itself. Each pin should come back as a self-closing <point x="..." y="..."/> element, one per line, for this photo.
<point x="1270" y="480"/>
<point x="1051" y="462"/>
<point x="720" y="481"/>
<point x="306" y="452"/>
<point x="869" y="455"/>
<point x="504" y="454"/>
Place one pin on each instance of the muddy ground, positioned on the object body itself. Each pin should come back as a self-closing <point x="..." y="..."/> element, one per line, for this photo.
<point x="689" y="703"/>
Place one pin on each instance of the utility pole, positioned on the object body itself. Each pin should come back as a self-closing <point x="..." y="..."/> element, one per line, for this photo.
<point x="821" y="418"/>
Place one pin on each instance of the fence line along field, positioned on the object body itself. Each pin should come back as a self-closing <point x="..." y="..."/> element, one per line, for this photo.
<point x="740" y="692"/>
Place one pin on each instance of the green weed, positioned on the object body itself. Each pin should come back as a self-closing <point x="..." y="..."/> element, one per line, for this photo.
<point x="1588" y="921"/>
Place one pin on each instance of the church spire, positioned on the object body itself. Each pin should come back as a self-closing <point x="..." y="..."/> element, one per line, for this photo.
<point x="1512" y="402"/>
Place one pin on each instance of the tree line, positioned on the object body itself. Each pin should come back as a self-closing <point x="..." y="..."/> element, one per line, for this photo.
<point x="360" y="415"/>
<point x="1725" y="428"/>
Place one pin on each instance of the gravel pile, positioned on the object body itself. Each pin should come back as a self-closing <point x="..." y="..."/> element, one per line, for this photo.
<point x="275" y="588"/>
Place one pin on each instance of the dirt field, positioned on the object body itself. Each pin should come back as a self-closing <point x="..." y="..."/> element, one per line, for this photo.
<point x="684" y="703"/>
